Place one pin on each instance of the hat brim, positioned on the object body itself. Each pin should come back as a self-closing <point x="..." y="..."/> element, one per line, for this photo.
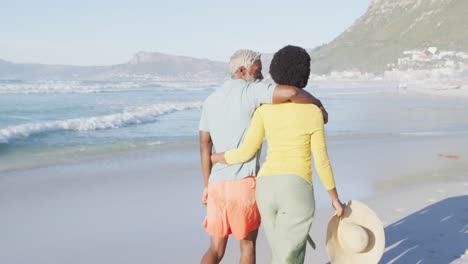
<point x="356" y="212"/>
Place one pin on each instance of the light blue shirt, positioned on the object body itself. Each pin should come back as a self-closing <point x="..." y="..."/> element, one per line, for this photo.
<point x="226" y="114"/>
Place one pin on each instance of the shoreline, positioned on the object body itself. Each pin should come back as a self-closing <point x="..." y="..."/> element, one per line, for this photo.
<point x="73" y="155"/>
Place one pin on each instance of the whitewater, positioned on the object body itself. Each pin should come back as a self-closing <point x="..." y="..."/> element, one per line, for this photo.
<point x="140" y="115"/>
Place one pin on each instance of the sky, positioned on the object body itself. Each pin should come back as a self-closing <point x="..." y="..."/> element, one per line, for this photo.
<point x="105" y="32"/>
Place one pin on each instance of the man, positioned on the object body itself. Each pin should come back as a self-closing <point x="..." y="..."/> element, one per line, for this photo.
<point x="229" y="190"/>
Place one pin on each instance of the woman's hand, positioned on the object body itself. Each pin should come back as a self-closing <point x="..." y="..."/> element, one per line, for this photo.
<point x="339" y="208"/>
<point x="214" y="159"/>
<point x="217" y="158"/>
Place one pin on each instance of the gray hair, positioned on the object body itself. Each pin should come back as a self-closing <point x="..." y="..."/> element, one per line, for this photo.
<point x="241" y="58"/>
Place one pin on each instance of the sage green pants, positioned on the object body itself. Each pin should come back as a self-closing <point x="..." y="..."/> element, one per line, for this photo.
<point x="286" y="204"/>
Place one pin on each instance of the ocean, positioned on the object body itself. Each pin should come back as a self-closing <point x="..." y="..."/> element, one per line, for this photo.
<point x="48" y="122"/>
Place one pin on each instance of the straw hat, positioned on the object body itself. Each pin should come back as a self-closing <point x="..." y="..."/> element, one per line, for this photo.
<point x="357" y="238"/>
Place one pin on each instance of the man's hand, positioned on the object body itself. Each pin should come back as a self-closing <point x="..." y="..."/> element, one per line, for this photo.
<point x="205" y="196"/>
<point x="339" y="209"/>
<point x="325" y="114"/>
<point x="206" y="145"/>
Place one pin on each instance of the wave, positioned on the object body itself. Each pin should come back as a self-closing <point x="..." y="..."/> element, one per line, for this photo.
<point x="139" y="115"/>
<point x="352" y="93"/>
<point x="65" y="87"/>
<point x="433" y="133"/>
<point x="187" y="86"/>
<point x="85" y="87"/>
<point x="154" y="143"/>
<point x="353" y="135"/>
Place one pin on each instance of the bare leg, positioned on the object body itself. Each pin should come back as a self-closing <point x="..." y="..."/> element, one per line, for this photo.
<point x="247" y="248"/>
<point x="215" y="253"/>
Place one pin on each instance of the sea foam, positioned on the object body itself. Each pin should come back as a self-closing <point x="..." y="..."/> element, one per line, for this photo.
<point x="138" y="115"/>
<point x="65" y="87"/>
<point x="83" y="87"/>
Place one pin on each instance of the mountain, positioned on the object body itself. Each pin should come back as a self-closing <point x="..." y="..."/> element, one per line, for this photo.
<point x="171" y="67"/>
<point x="391" y="27"/>
<point x="143" y="66"/>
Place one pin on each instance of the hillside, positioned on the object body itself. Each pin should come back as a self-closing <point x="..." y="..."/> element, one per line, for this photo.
<point x="391" y="27"/>
<point x="143" y="66"/>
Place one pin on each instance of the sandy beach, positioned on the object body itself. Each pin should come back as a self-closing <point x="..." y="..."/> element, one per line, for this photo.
<point x="144" y="207"/>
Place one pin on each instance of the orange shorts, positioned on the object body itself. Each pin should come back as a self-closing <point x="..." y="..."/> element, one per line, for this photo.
<point x="231" y="208"/>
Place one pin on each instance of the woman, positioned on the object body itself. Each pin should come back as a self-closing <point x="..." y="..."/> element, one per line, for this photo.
<point x="285" y="195"/>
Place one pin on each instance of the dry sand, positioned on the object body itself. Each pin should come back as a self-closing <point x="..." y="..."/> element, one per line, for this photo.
<point x="145" y="207"/>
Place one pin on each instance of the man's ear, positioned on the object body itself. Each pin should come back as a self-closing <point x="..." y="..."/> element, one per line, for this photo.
<point x="241" y="72"/>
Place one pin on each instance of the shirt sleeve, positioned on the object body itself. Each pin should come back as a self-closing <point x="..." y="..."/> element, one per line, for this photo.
<point x="203" y="125"/>
<point x="320" y="153"/>
<point x="252" y="142"/>
<point x="261" y="92"/>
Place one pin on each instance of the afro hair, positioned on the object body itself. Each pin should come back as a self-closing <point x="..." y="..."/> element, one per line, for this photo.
<point x="291" y="66"/>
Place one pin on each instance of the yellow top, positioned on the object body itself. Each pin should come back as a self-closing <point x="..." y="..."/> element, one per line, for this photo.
<point x="292" y="131"/>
